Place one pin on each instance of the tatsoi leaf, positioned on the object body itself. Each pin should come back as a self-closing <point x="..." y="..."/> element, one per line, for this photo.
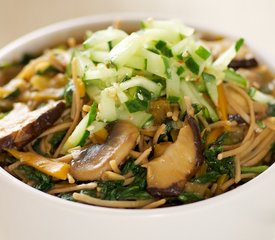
<point x="239" y="44"/>
<point x="40" y="181"/>
<point x="192" y="65"/>
<point x="224" y="166"/>
<point x="188" y="197"/>
<point x="208" y="177"/>
<point x="271" y="110"/>
<point x="56" y="139"/>
<point x="66" y="196"/>
<point x="203" y="53"/>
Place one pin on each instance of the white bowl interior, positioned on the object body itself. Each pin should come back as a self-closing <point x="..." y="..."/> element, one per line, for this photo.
<point x="238" y="210"/>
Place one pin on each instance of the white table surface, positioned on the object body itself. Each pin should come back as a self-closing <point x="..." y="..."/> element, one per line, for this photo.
<point x="20" y="17"/>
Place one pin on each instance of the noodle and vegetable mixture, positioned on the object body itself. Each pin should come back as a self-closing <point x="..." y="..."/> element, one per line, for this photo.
<point x="159" y="117"/>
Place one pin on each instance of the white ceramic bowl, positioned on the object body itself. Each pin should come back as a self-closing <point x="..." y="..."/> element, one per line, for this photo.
<point x="247" y="212"/>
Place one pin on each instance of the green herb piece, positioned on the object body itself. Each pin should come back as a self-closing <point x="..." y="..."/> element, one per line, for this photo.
<point x="192" y="65"/>
<point x="110" y="45"/>
<point x="255" y="169"/>
<point x="180" y="70"/>
<point x="41" y="181"/>
<point x="239" y="44"/>
<point x="203" y="53"/>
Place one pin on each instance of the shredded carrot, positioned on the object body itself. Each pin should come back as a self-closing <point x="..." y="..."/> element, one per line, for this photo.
<point x="222" y="104"/>
<point x="55" y="169"/>
<point x="213" y="135"/>
<point x="81" y="87"/>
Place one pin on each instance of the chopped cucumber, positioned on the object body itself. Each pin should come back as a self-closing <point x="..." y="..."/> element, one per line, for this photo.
<point x="107" y="105"/>
<point x="96" y="126"/>
<point x="224" y="59"/>
<point x="189" y="89"/>
<point x="261" y="97"/>
<point x="123" y="51"/>
<point x="104" y="36"/>
<point x="170" y="25"/>
<point x="101" y="73"/>
<point x="233" y="77"/>
<point x="99" y="56"/>
<point x="80" y="134"/>
<point x="173" y="86"/>
<point x="93" y="92"/>
<point x="137" y="62"/>
<point x="83" y="64"/>
<point x="211" y="86"/>
<point x="140" y="119"/>
<point x="160" y="34"/>
<point x="156" y="63"/>
<point x="136" y="81"/>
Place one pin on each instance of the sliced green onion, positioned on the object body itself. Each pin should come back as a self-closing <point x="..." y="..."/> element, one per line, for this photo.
<point x="180" y="70"/>
<point x="192" y="65"/>
<point x="239" y="44"/>
<point x="203" y="53"/>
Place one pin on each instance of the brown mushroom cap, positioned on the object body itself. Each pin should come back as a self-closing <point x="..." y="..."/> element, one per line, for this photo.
<point x="94" y="160"/>
<point x="21" y="125"/>
<point x="168" y="173"/>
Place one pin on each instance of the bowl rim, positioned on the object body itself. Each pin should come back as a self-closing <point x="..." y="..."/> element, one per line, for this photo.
<point x="107" y="19"/>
